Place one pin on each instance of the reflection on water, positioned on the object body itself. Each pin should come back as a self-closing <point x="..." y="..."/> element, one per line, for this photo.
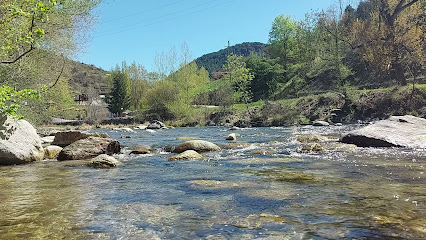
<point x="260" y="189"/>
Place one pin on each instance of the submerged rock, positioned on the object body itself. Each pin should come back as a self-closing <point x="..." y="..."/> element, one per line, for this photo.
<point x="129" y="130"/>
<point x="311" y="147"/>
<point x="196" y="145"/>
<point x="234" y="128"/>
<point x="216" y="184"/>
<point x="397" y="131"/>
<point x="320" y="123"/>
<point x="187" y="155"/>
<point x="103" y="161"/>
<point x="19" y="142"/>
<point x="231" y="137"/>
<point x="141" y="150"/>
<point x="88" y="148"/>
<point x="50" y="152"/>
<point x="187" y="138"/>
<point x="311" y="138"/>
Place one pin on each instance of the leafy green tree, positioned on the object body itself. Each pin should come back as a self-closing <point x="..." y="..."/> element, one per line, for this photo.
<point x="391" y="37"/>
<point x="138" y="76"/>
<point x="239" y="76"/>
<point x="268" y="73"/>
<point x="10" y="99"/>
<point x="119" y="98"/>
<point x="282" y="38"/>
<point x="32" y="34"/>
<point x="26" y="25"/>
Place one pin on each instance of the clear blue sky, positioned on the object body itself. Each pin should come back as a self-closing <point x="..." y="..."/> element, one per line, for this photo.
<point x="134" y="30"/>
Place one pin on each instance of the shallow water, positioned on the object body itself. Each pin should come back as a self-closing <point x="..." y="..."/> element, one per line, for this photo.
<point x="266" y="190"/>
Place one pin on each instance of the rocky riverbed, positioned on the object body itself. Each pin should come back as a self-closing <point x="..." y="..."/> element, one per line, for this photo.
<point x="268" y="183"/>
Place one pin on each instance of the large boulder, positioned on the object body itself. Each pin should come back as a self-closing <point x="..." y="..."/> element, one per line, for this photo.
<point x="156" y="125"/>
<point x="89" y="148"/>
<point x="196" y="145"/>
<point x="19" y="142"/>
<point x="103" y="161"/>
<point x="65" y="138"/>
<point x="187" y="155"/>
<point x="397" y="131"/>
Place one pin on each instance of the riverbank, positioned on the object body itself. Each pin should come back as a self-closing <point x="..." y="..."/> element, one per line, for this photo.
<point x="346" y="106"/>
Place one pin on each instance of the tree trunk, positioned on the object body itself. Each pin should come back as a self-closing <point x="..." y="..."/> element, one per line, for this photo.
<point x="397" y="73"/>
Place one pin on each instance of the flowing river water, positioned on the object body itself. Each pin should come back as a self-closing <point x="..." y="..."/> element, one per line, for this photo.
<point x="263" y="190"/>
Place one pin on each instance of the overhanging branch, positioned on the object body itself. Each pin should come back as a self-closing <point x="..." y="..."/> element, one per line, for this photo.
<point x="62" y="70"/>
<point x="19" y="57"/>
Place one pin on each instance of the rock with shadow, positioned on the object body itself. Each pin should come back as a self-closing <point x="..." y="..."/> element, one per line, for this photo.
<point x="89" y="148"/>
<point x="397" y="131"/>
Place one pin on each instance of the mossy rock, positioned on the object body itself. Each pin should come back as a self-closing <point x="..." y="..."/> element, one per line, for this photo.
<point x="311" y="148"/>
<point x="311" y="138"/>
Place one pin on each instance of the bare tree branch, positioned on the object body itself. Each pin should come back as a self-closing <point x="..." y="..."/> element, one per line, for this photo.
<point x="19" y="57"/>
<point x="60" y="74"/>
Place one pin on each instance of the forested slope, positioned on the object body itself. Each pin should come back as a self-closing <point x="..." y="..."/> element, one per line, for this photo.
<point x="213" y="62"/>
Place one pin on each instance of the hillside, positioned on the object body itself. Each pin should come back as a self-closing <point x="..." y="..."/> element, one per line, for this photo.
<point x="213" y="62"/>
<point x="87" y="79"/>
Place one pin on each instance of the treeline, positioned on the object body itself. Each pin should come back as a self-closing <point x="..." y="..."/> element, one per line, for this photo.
<point x="151" y="96"/>
<point x="380" y="43"/>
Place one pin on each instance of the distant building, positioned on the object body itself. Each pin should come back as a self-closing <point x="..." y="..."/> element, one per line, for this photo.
<point x="81" y="98"/>
<point x="218" y="75"/>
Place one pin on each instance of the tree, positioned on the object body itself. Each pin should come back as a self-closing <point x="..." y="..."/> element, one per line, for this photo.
<point x="239" y="76"/>
<point x="282" y="38"/>
<point x="9" y="99"/>
<point x="119" y="98"/>
<point x="50" y="24"/>
<point x="268" y="73"/>
<point x="138" y="82"/>
<point x="28" y="30"/>
<point x="393" y="33"/>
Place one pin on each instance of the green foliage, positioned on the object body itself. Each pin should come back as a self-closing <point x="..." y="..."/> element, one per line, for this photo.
<point x="27" y="24"/>
<point x="138" y="76"/>
<point x="10" y="99"/>
<point x="172" y="97"/>
<point x="119" y="97"/>
<point x="282" y="38"/>
<point x="240" y="77"/>
<point x="268" y="73"/>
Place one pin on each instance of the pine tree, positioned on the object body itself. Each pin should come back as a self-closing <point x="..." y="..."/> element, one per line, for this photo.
<point x="119" y="99"/>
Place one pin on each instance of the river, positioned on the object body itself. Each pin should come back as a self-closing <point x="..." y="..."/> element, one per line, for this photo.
<point x="267" y="190"/>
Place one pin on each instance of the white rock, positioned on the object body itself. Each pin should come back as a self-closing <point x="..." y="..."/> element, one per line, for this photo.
<point x="19" y="142"/>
